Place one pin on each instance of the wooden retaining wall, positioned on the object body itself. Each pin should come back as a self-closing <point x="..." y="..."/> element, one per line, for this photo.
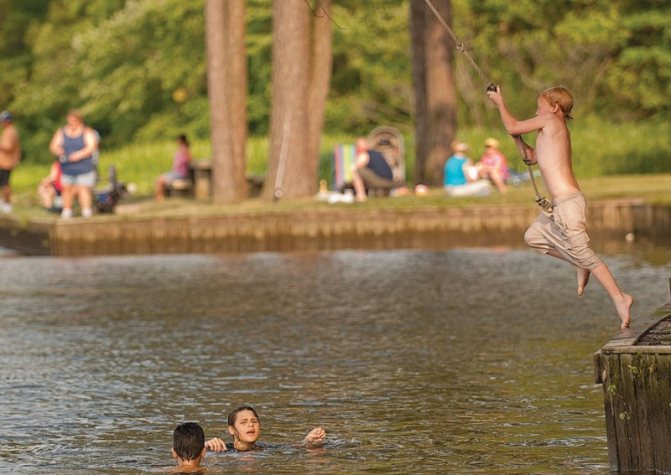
<point x="634" y="369"/>
<point x="324" y="229"/>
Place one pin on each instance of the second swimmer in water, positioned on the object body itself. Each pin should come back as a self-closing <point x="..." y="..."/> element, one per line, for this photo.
<point x="245" y="427"/>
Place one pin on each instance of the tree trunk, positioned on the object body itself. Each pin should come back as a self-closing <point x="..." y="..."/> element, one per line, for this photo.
<point x="223" y="30"/>
<point x="435" y="95"/>
<point x="237" y="90"/>
<point x="290" y="172"/>
<point x="320" y="78"/>
<point x="418" y="20"/>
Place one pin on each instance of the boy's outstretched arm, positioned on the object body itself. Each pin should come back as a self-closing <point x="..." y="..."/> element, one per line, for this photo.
<point x="315" y="437"/>
<point x="512" y="125"/>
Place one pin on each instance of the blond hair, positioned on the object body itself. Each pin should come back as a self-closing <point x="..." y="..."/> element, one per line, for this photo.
<point x="458" y="146"/>
<point x="562" y="97"/>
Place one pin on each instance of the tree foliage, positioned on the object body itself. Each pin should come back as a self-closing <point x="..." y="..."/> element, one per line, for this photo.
<point x="137" y="67"/>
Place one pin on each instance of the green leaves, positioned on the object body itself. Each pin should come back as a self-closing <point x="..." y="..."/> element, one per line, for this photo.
<point x="137" y="67"/>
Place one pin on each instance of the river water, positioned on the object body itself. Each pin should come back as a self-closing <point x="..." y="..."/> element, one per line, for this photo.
<point x="454" y="361"/>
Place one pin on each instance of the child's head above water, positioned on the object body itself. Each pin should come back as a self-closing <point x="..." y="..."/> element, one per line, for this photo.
<point x="232" y="417"/>
<point x="560" y="96"/>
<point x="244" y="425"/>
<point x="188" y="442"/>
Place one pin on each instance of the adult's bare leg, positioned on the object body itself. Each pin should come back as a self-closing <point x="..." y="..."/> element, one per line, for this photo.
<point x="498" y="181"/>
<point x="359" y="187"/>
<point x="68" y="197"/>
<point x="159" y="191"/>
<point x="85" y="194"/>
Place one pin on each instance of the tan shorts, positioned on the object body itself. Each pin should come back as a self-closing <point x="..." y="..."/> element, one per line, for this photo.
<point x="565" y="233"/>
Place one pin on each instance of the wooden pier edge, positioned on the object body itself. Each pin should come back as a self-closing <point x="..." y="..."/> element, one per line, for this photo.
<point x="318" y="229"/>
<point x="635" y="373"/>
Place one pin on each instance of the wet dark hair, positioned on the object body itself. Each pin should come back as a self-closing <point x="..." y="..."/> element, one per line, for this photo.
<point x="234" y="414"/>
<point x="182" y="138"/>
<point x="188" y="440"/>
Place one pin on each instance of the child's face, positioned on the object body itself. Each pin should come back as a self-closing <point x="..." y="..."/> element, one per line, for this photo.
<point x="544" y="106"/>
<point x="247" y="427"/>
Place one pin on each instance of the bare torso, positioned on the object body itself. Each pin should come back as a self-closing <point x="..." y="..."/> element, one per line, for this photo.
<point x="553" y="155"/>
<point x="10" y="149"/>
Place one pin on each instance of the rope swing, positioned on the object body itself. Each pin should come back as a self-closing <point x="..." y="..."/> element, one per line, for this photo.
<point x="490" y="86"/>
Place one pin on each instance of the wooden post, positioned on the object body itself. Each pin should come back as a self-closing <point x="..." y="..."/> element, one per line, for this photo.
<point x="634" y="369"/>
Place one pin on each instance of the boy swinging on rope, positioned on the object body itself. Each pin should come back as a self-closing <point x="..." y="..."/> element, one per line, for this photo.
<point x="563" y="235"/>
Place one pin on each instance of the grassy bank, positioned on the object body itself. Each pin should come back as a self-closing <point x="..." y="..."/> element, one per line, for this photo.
<point x="600" y="149"/>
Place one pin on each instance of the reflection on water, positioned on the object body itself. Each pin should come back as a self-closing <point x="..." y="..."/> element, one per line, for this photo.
<point x="414" y="361"/>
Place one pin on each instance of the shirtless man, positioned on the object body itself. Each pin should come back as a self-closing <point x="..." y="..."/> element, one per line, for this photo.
<point x="563" y="235"/>
<point x="10" y="154"/>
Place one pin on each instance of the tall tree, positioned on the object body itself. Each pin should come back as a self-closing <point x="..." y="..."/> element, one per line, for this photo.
<point x="435" y="94"/>
<point x="321" y="60"/>
<point x="224" y="27"/>
<point x="289" y="168"/>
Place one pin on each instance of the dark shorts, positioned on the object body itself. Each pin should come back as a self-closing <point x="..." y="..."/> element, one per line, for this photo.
<point x="4" y="177"/>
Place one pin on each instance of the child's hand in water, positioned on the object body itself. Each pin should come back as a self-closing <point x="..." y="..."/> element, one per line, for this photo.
<point x="215" y="445"/>
<point x="315" y="437"/>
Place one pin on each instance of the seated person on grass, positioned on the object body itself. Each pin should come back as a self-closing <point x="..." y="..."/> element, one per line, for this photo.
<point x="50" y="188"/>
<point x="461" y="176"/>
<point x="371" y="170"/>
<point x="245" y="427"/>
<point x="493" y="165"/>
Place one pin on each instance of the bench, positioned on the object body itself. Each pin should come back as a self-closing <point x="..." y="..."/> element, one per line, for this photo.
<point x="199" y="183"/>
<point x="180" y="187"/>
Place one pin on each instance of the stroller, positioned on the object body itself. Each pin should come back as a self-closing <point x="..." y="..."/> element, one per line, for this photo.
<point x="106" y="199"/>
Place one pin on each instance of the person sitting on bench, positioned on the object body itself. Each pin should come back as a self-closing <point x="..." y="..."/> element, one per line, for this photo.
<point x="180" y="167"/>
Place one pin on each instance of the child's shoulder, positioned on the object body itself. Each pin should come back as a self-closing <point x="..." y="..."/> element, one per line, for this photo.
<point x="551" y="121"/>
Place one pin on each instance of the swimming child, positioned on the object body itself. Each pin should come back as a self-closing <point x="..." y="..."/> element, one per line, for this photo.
<point x="188" y="447"/>
<point x="564" y="235"/>
<point x="245" y="427"/>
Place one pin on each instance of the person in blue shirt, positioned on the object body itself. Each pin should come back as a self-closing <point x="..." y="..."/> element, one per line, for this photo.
<point x="460" y="176"/>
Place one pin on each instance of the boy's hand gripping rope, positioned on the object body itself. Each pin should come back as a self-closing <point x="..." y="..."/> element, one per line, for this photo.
<point x="490" y="86"/>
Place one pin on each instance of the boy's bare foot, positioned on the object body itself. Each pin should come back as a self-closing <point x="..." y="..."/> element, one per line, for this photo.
<point x="623" y="307"/>
<point x="583" y="279"/>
